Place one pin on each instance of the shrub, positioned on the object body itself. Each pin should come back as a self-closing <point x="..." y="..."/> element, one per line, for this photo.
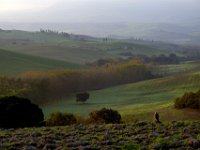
<point x="60" y="119"/>
<point x="18" y="112"/>
<point x="105" y="116"/>
<point x="188" y="100"/>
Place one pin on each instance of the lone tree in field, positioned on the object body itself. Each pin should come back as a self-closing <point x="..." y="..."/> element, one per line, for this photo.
<point x="17" y="112"/>
<point x="82" y="97"/>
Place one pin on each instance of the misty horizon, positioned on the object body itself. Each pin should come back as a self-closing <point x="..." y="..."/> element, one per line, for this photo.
<point x="166" y="20"/>
<point x="77" y="11"/>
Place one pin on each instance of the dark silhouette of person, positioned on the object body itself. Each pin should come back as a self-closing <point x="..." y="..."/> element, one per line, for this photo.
<point x="157" y="117"/>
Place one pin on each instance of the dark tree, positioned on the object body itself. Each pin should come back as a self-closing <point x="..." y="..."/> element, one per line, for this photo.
<point x="82" y="97"/>
<point x="105" y="116"/>
<point x="16" y="112"/>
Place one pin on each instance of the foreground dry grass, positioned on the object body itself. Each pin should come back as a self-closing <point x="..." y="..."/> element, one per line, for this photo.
<point x="138" y="135"/>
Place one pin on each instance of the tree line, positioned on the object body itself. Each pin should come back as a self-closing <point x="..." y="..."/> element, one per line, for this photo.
<point x="155" y="59"/>
<point x="41" y="87"/>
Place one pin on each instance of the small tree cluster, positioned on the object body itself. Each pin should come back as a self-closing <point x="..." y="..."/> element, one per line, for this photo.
<point x="105" y="116"/>
<point x="82" y="97"/>
<point x="188" y="100"/>
<point x="18" y="112"/>
<point x="60" y="119"/>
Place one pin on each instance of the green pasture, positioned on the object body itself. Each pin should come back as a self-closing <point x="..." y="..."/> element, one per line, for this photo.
<point x="12" y="63"/>
<point x="137" y="99"/>
<point x="76" y="51"/>
<point x="29" y="51"/>
<point x="181" y="68"/>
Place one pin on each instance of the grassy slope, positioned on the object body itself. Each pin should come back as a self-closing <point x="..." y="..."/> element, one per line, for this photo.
<point x="78" y="55"/>
<point x="148" y="95"/>
<point x="166" y="70"/>
<point x="57" y="47"/>
<point x="12" y="63"/>
<point x="140" y="99"/>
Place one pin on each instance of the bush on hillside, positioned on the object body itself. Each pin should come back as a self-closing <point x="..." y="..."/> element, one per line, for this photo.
<point x="188" y="100"/>
<point x="18" y="112"/>
<point x="60" y="119"/>
<point x="104" y="116"/>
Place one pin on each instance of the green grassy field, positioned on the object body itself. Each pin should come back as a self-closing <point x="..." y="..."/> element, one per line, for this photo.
<point x="81" y="52"/>
<point x="64" y="53"/>
<point x="77" y="51"/>
<point x="28" y="51"/>
<point x="12" y="63"/>
<point x="185" y="67"/>
<point x="137" y="100"/>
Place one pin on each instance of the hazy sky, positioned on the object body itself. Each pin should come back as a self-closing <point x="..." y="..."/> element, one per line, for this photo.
<point x="99" y="10"/>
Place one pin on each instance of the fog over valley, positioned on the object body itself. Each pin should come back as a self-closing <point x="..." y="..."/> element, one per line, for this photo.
<point x="169" y="11"/>
<point x="150" y="20"/>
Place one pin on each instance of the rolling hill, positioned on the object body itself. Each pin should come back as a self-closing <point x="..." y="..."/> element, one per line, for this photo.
<point x="29" y="51"/>
<point x="137" y="100"/>
<point x="77" y="49"/>
<point x="186" y="32"/>
<point x="12" y="63"/>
